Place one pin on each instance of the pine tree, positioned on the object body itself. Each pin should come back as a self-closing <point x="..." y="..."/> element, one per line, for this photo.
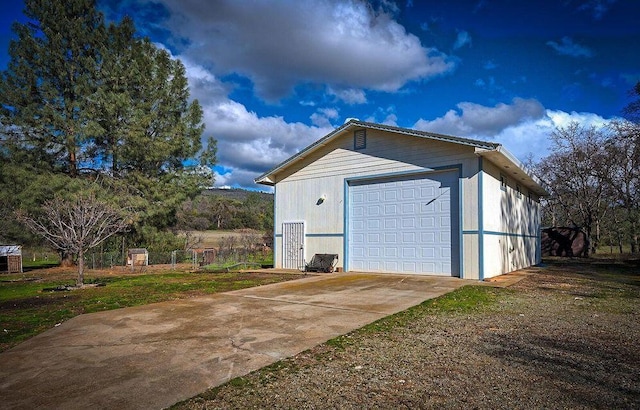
<point x="44" y="90"/>
<point x="86" y="100"/>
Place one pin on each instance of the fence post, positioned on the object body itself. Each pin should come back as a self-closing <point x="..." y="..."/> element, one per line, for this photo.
<point x="173" y="259"/>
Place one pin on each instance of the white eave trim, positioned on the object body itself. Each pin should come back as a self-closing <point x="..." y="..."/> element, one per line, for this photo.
<point x="511" y="166"/>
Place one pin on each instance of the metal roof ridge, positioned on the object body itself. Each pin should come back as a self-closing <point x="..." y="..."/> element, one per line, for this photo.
<point x="428" y="134"/>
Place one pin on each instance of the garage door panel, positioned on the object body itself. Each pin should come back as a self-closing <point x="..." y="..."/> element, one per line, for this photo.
<point x="390" y="238"/>
<point x="412" y="231"/>
<point x="428" y="237"/>
<point x="391" y="252"/>
<point x="390" y="196"/>
<point x="358" y="212"/>
<point x="427" y="222"/>
<point x="389" y="266"/>
<point x="408" y="209"/>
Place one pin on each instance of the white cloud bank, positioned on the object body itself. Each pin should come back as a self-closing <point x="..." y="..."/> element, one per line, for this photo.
<point x="346" y="45"/>
<point x="523" y="126"/>
<point x="354" y="49"/>
<point x="248" y="144"/>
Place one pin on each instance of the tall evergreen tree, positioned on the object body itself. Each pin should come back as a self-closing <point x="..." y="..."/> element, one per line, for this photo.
<point x="44" y="90"/>
<point x="85" y="100"/>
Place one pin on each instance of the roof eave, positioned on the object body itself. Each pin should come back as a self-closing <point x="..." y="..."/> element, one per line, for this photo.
<point x="267" y="177"/>
<point x="508" y="163"/>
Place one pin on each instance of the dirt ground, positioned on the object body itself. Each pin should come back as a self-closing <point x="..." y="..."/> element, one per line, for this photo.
<point x="71" y="273"/>
<point x="212" y="239"/>
<point x="564" y="337"/>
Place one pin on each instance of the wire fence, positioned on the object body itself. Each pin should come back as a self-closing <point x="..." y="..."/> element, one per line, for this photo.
<point x="106" y="260"/>
<point x="198" y="257"/>
<point x="249" y="247"/>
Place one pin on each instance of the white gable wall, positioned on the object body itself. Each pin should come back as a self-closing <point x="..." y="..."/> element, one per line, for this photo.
<point x="323" y="174"/>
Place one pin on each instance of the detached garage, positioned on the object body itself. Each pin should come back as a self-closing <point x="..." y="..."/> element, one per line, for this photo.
<point x="396" y="200"/>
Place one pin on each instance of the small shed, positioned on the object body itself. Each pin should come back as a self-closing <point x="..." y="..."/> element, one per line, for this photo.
<point x="137" y="257"/>
<point x="11" y="258"/>
<point x="205" y="256"/>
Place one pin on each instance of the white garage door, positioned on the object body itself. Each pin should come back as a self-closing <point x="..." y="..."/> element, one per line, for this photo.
<point x="406" y="225"/>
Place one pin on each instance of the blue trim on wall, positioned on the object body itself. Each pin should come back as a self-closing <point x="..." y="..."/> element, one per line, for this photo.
<point x="480" y="219"/>
<point x="514" y="235"/>
<point x="496" y="233"/>
<point x="426" y="171"/>
<point x="275" y="229"/>
<point x="345" y="225"/>
<point x="460" y="224"/>
<point x="316" y="235"/>
<point x="390" y="175"/>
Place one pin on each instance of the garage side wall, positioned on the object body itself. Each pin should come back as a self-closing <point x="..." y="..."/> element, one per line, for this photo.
<point x="314" y="192"/>
<point x="511" y="224"/>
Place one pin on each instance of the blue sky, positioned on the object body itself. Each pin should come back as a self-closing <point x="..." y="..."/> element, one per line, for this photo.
<point x="274" y="76"/>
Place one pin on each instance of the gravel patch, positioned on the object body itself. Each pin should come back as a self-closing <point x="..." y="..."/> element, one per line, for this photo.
<point x="566" y="336"/>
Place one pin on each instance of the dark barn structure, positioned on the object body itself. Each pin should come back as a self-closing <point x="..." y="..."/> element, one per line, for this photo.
<point x="564" y="241"/>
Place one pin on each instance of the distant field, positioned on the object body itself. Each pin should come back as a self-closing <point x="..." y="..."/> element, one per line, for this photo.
<point x="211" y="239"/>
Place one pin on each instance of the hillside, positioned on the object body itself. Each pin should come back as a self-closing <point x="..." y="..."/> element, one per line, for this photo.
<point x="236" y="193"/>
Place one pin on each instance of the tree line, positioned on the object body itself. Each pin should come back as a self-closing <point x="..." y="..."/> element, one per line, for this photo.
<point x="593" y="177"/>
<point x="210" y="211"/>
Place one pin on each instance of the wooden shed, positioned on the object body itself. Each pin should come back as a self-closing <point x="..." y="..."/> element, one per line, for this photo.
<point x="137" y="257"/>
<point x="398" y="200"/>
<point x="11" y="258"/>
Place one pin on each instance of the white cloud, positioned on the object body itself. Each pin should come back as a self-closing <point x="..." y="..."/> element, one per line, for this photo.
<point x="568" y="48"/>
<point x="477" y="120"/>
<point x="350" y="96"/>
<point x="523" y="127"/>
<point x="248" y="144"/>
<point x="322" y="118"/>
<point x="248" y="141"/>
<point x="462" y="40"/>
<point x="391" y="119"/>
<point x="346" y="44"/>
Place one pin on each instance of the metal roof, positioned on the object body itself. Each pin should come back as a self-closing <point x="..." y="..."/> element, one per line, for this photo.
<point x="6" y="250"/>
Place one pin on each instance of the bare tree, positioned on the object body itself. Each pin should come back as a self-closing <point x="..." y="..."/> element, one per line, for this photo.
<point x="574" y="173"/>
<point x="624" y="177"/>
<point x="75" y="226"/>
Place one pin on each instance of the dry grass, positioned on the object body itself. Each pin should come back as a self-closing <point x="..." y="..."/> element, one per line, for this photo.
<point x="564" y="337"/>
<point x="212" y="239"/>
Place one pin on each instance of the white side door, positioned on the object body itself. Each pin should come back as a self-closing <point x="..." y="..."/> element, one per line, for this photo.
<point x="293" y="245"/>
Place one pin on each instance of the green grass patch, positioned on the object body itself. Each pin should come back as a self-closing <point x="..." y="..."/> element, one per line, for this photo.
<point x="26" y="309"/>
<point x="465" y="300"/>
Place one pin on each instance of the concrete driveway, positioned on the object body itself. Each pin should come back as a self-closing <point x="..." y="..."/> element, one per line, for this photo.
<point x="152" y="356"/>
